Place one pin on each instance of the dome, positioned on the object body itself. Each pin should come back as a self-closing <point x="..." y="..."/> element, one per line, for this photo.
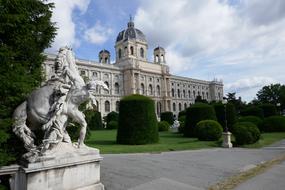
<point x="159" y="48"/>
<point x="131" y="33"/>
<point x="104" y="51"/>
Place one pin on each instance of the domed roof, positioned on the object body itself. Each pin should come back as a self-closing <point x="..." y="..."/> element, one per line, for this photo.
<point x="159" y="48"/>
<point x="131" y="33"/>
<point x="104" y="51"/>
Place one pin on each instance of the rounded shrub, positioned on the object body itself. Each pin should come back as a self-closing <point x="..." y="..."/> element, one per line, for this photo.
<point x="112" y="125"/>
<point x="209" y="130"/>
<point x="167" y="116"/>
<point x="137" y="121"/>
<point x="268" y="109"/>
<point x="252" y="110"/>
<point x="163" y="126"/>
<point x="94" y="121"/>
<point x="112" y="116"/>
<point x="274" y="124"/>
<point x="246" y="133"/>
<point x="253" y="119"/>
<point x="196" y="113"/>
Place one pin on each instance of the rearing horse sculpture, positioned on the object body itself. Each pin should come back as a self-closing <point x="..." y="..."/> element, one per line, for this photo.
<point x="49" y="107"/>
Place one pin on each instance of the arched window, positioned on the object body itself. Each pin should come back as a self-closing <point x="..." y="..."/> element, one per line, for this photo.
<point x="184" y="94"/>
<point x="189" y="93"/>
<point x="180" y="107"/>
<point x="126" y="51"/>
<point x="97" y="106"/>
<point x="142" y="52"/>
<point x="162" y="58"/>
<point x="156" y="58"/>
<point x="203" y="95"/>
<point x="142" y="88"/>
<point x="132" y="50"/>
<point x="207" y="95"/>
<point x="178" y="93"/>
<point x="174" y="107"/>
<point x="172" y="92"/>
<point x="185" y="106"/>
<point x="150" y="89"/>
<point x="117" y="88"/>
<point x="158" y="108"/>
<point x="158" y="90"/>
<point x="120" y="53"/>
<point x="107" y="106"/>
<point x="106" y="91"/>
<point x="117" y="106"/>
<point x="194" y="94"/>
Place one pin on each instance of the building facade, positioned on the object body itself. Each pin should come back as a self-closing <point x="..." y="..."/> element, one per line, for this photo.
<point x="132" y="73"/>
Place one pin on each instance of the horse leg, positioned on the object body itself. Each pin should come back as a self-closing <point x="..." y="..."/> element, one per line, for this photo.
<point x="79" y="117"/>
<point x="20" y="128"/>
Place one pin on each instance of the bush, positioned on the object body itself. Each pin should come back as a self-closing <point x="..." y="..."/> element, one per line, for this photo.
<point x="137" y="121"/>
<point x="253" y="119"/>
<point x="181" y="114"/>
<point x="181" y="127"/>
<point x="112" y="125"/>
<point x="112" y="116"/>
<point x="246" y="133"/>
<point x="167" y="116"/>
<point x="163" y="126"/>
<point x="274" y="124"/>
<point x="95" y="121"/>
<point x="230" y="114"/>
<point x="209" y="130"/>
<point x="253" y="110"/>
<point x="268" y="110"/>
<point x="196" y="113"/>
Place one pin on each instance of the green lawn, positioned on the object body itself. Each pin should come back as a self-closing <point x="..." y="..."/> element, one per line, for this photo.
<point x="267" y="139"/>
<point x="105" y="140"/>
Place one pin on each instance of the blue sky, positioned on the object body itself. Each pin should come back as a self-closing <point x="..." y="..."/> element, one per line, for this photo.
<point x="241" y="42"/>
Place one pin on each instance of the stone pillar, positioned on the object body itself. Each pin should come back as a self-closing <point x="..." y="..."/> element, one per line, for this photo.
<point x="227" y="140"/>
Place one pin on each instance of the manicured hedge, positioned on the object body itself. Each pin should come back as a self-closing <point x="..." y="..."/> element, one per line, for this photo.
<point x="163" y="126"/>
<point x="268" y="109"/>
<point x="167" y="116"/>
<point x="209" y="130"/>
<point x="253" y="119"/>
<point x="112" y="125"/>
<point x="252" y="110"/>
<point x="112" y="116"/>
<point x="274" y="124"/>
<point x="196" y="113"/>
<point x="95" y="121"/>
<point x="137" y="121"/>
<point x="246" y="133"/>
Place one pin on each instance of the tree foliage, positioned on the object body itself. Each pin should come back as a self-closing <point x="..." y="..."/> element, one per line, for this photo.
<point x="25" y="31"/>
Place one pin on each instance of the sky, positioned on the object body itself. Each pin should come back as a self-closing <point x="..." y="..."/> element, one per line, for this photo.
<point x="241" y="42"/>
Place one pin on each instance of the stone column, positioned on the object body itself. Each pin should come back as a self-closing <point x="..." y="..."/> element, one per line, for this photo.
<point x="227" y="140"/>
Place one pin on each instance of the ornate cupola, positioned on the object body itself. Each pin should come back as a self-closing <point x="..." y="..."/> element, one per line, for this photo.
<point x="104" y="56"/>
<point x="159" y="55"/>
<point x="131" y="43"/>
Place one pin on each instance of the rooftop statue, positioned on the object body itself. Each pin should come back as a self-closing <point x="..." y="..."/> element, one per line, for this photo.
<point x="50" y="107"/>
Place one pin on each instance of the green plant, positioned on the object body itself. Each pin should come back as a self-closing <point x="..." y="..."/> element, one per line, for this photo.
<point x="230" y="114"/>
<point x="252" y="110"/>
<point x="196" y="113"/>
<point x="167" y="116"/>
<point x="95" y="121"/>
<point x="112" y="116"/>
<point x="268" y="109"/>
<point x="163" y="126"/>
<point x="112" y="125"/>
<point x="246" y="133"/>
<point x="209" y="130"/>
<point x="274" y="124"/>
<point x="137" y="121"/>
<point x="253" y="119"/>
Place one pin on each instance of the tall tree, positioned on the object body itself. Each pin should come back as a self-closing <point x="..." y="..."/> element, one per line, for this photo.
<point x="274" y="94"/>
<point x="25" y="31"/>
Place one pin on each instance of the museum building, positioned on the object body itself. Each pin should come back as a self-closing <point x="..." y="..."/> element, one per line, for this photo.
<point x="132" y="73"/>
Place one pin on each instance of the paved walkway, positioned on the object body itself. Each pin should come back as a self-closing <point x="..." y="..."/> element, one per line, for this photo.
<point x="181" y="170"/>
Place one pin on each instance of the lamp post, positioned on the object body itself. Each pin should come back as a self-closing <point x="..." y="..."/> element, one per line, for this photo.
<point x="278" y="107"/>
<point x="226" y="134"/>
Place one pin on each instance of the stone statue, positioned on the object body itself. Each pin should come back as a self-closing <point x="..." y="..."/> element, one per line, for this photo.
<point x="49" y="108"/>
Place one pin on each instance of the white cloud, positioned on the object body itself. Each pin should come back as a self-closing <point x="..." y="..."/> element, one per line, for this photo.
<point x="97" y="34"/>
<point x="240" y="40"/>
<point x="249" y="83"/>
<point x="62" y="15"/>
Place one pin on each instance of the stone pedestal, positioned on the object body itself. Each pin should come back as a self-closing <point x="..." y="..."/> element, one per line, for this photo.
<point x="227" y="140"/>
<point x="74" y="169"/>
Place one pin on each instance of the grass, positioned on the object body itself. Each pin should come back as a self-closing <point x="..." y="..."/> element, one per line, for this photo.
<point x="266" y="139"/>
<point x="105" y="140"/>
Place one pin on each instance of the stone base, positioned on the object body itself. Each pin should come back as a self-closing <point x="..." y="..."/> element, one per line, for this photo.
<point x="76" y="170"/>
<point x="227" y="140"/>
